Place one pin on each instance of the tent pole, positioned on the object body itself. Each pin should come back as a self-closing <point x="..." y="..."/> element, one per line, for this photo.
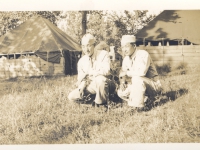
<point x="39" y="63"/>
<point x="182" y="43"/>
<point x="62" y="56"/>
<point x="143" y="41"/>
<point x="162" y="42"/>
<point x="70" y="62"/>
<point x="15" y="62"/>
<point x="20" y="62"/>
<point x="8" y="69"/>
<point x="163" y="50"/>
<point x="48" y="61"/>
<point x="14" y="59"/>
<point x="167" y="43"/>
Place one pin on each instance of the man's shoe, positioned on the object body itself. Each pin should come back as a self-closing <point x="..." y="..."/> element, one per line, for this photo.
<point x="142" y="109"/>
<point x="88" y="99"/>
<point x="95" y="104"/>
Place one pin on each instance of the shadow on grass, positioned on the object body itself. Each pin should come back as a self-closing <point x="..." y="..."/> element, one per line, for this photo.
<point x="150" y="104"/>
<point x="116" y="102"/>
<point x="166" y="97"/>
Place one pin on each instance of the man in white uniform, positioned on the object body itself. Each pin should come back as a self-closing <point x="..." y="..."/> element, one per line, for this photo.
<point x="93" y="70"/>
<point x="138" y="66"/>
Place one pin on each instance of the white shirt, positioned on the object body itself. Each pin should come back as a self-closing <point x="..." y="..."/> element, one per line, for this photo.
<point x="138" y="64"/>
<point x="97" y="64"/>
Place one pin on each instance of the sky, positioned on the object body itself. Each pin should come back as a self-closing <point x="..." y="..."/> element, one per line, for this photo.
<point x="154" y="5"/>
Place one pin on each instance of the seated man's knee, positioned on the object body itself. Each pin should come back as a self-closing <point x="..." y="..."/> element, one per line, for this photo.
<point x="122" y="95"/>
<point x="70" y="96"/>
<point x="119" y="93"/>
<point x="73" y="95"/>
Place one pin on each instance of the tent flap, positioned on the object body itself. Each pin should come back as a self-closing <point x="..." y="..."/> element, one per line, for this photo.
<point x="71" y="60"/>
<point x="53" y="56"/>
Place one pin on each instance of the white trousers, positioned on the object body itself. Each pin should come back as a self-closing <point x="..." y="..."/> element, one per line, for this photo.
<point x="135" y="92"/>
<point x="101" y="86"/>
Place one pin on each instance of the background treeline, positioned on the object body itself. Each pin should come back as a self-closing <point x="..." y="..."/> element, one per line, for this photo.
<point x="104" y="25"/>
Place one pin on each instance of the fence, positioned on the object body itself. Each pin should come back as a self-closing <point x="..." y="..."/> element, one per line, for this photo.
<point x="174" y="55"/>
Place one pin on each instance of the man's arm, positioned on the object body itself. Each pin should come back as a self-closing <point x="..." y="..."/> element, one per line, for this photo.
<point x="102" y="66"/>
<point x="124" y="67"/>
<point x="81" y="83"/>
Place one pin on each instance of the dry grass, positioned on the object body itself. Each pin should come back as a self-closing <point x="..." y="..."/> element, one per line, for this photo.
<point x="37" y="111"/>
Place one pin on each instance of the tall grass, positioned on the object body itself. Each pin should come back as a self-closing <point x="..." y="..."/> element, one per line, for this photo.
<point x="37" y="111"/>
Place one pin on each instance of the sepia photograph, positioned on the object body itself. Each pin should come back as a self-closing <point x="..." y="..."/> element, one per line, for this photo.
<point x="89" y="74"/>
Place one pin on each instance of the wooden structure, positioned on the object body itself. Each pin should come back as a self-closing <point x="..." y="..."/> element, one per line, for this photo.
<point x="174" y="55"/>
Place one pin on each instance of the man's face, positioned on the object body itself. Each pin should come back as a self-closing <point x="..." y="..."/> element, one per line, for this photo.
<point x="88" y="48"/>
<point x="127" y="49"/>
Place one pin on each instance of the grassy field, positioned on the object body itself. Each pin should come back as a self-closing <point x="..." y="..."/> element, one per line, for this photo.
<point x="37" y="111"/>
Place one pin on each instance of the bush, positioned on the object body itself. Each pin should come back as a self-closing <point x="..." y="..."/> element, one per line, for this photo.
<point x="164" y="69"/>
<point x="182" y="65"/>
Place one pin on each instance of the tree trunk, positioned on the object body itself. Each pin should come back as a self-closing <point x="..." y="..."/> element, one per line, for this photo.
<point x="84" y="22"/>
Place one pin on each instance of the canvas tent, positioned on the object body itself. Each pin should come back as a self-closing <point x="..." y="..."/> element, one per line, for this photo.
<point x="172" y="25"/>
<point x="39" y="36"/>
<point x="173" y="38"/>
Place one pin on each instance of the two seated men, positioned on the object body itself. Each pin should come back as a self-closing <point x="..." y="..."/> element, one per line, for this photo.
<point x="94" y="71"/>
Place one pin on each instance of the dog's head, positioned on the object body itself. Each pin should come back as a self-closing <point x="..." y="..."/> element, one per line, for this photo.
<point x="124" y="79"/>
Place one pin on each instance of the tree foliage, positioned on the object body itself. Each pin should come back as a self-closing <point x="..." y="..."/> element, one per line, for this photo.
<point x="111" y="25"/>
<point x="71" y="23"/>
<point x="127" y="22"/>
<point x="104" y="25"/>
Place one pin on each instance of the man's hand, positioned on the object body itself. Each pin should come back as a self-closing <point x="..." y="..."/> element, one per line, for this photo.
<point x="122" y="73"/>
<point x="123" y="86"/>
<point x="93" y="73"/>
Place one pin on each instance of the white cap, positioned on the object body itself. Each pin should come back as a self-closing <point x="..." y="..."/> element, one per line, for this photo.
<point x="128" y="39"/>
<point x="88" y="39"/>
